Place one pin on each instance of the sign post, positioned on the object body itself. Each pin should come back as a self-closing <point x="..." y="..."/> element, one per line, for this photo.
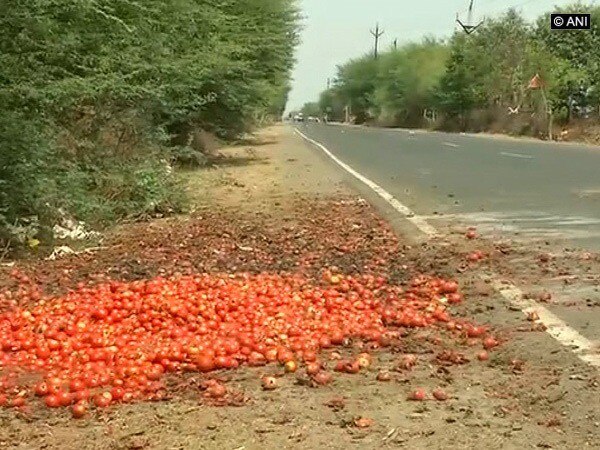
<point x="537" y="83"/>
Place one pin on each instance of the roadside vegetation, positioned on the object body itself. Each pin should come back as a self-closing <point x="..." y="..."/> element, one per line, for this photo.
<point x="479" y="82"/>
<point x="101" y="99"/>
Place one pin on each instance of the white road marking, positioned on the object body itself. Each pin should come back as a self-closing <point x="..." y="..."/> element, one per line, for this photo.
<point x="556" y="327"/>
<point x="450" y="144"/>
<point x="586" y="350"/>
<point x="418" y="221"/>
<point x="516" y="155"/>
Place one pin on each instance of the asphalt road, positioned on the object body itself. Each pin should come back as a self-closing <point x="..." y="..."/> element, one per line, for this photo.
<point x="524" y="188"/>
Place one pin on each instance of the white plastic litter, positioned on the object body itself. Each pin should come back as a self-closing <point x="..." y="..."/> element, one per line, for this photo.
<point x="60" y="251"/>
<point x="72" y="229"/>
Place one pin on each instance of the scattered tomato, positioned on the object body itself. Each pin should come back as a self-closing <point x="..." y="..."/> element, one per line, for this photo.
<point x="269" y="383"/>
<point x="18" y="402"/>
<point x="418" y="395"/>
<point x="216" y="390"/>
<point x="439" y="395"/>
<point x="364" y="360"/>
<point x="471" y="234"/>
<point x="291" y="366"/>
<point x="407" y="362"/>
<point x="113" y="342"/>
<point x="490" y="342"/>
<point x="313" y="368"/>
<point x="363" y="422"/>
<point x="323" y="377"/>
<point x="79" y="409"/>
<point x="103" y="399"/>
<point x="384" y="375"/>
<point x="52" y="401"/>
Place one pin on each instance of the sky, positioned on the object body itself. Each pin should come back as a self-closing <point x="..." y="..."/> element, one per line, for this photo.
<point x="336" y="30"/>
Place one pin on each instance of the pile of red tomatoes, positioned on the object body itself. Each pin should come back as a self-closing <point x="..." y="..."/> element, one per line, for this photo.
<point x="114" y="343"/>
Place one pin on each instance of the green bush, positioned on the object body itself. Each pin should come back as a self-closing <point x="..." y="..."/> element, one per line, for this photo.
<point x="92" y="93"/>
<point x="471" y="81"/>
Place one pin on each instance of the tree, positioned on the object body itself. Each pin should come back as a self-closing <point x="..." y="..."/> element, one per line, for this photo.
<point x="455" y="94"/>
<point x="355" y="86"/>
<point x="577" y="74"/>
<point x="332" y="104"/>
<point x="311" y="109"/>
<point x="406" y="81"/>
<point x="109" y="89"/>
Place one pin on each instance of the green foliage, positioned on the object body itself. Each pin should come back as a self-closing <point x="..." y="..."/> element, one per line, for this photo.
<point x="406" y="81"/>
<point x="472" y="81"/>
<point x="577" y="74"/>
<point x="93" y="93"/>
<point x="332" y="104"/>
<point x="456" y="90"/>
<point x="355" y="86"/>
<point x="311" y="109"/>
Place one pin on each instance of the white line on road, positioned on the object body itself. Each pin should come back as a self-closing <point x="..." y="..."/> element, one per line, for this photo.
<point x="418" y="221"/>
<point x="556" y="327"/>
<point x="516" y="155"/>
<point x="450" y="144"/>
<point x="585" y="349"/>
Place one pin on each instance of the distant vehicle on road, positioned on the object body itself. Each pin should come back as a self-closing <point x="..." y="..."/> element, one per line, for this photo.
<point x="299" y="117"/>
<point x="314" y="119"/>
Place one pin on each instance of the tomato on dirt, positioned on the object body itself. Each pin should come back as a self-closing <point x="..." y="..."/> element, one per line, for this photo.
<point x="103" y="399"/>
<point x="205" y="362"/>
<point x="114" y="342"/>
<point x="52" y="401"/>
<point x="79" y="409"/>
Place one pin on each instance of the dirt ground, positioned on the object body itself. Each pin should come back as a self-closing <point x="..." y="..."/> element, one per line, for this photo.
<point x="275" y="205"/>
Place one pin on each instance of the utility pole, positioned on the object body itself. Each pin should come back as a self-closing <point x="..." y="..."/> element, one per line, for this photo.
<point x="377" y="34"/>
<point x="396" y="44"/>
<point x="469" y="27"/>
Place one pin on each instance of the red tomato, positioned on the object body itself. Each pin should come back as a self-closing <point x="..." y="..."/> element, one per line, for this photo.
<point x="475" y="331"/>
<point x="76" y="385"/>
<point x="313" y="368"/>
<point x="216" y="390"/>
<point x="17" y="402"/>
<point x="41" y="389"/>
<point x="117" y="393"/>
<point x="490" y="342"/>
<point x="440" y="395"/>
<point x="284" y="355"/>
<point x="83" y="394"/>
<point x="103" y="399"/>
<point x="309" y="356"/>
<point x="221" y="362"/>
<point x="65" y="398"/>
<point x="322" y="378"/>
<point x="79" y="409"/>
<point x="324" y="342"/>
<point x="52" y="401"/>
<point x="418" y="395"/>
<point x="205" y="363"/>
<point x="337" y="337"/>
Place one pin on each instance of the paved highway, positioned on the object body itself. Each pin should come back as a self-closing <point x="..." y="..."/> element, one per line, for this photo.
<point x="523" y="188"/>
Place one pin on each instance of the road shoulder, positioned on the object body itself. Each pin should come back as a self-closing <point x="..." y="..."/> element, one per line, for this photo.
<point x="280" y="207"/>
